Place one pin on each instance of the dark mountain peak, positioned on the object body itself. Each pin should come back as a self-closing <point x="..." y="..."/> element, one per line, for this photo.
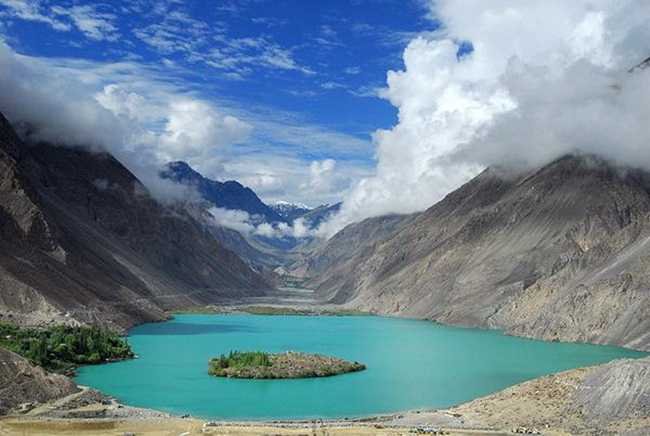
<point x="234" y="184"/>
<point x="180" y="171"/>
<point x="227" y="195"/>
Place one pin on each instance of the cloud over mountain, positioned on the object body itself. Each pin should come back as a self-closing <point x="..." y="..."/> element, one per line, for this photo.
<point x="544" y="79"/>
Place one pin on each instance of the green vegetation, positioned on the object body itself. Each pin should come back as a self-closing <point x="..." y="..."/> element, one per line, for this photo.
<point x="61" y="348"/>
<point x="238" y="360"/>
<point x="260" y="365"/>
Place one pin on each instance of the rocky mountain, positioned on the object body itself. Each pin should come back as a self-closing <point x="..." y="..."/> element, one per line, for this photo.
<point x="559" y="253"/>
<point x="227" y="195"/>
<point x="82" y="241"/>
<point x="290" y="211"/>
<point x="21" y="382"/>
<point x="318" y="215"/>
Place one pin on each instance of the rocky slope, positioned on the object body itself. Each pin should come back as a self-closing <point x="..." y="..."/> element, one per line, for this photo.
<point x="610" y="399"/>
<point x="82" y="241"/>
<point x="320" y="214"/>
<point x="21" y="382"/>
<point x="562" y="252"/>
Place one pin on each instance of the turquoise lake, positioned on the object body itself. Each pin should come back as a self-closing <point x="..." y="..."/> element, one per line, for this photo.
<point x="411" y="364"/>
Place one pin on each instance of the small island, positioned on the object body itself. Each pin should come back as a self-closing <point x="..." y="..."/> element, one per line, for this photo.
<point x="260" y="365"/>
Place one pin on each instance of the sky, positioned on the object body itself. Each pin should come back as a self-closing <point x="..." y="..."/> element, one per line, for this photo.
<point x="387" y="105"/>
<point x="298" y="80"/>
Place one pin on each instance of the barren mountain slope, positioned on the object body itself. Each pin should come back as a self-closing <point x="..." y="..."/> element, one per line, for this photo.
<point x="558" y="253"/>
<point x="21" y="382"/>
<point x="83" y="241"/>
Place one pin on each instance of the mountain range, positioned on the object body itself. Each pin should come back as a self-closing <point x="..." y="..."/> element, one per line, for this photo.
<point x="560" y="252"/>
<point x="227" y="195"/>
<point x="290" y="211"/>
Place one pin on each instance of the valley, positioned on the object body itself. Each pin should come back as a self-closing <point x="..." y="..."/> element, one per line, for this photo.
<point x="523" y="252"/>
<point x="337" y="217"/>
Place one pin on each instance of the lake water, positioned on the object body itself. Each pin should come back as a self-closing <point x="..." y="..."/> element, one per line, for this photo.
<point x="411" y="364"/>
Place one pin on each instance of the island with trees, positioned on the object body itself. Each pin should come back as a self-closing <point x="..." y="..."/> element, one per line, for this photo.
<point x="290" y="364"/>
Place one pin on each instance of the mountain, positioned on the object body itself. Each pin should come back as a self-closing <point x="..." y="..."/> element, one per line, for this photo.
<point x="227" y="195"/>
<point x="290" y="211"/>
<point x="559" y="253"/>
<point x="21" y="382"/>
<point x="313" y="217"/>
<point x="82" y="241"/>
<point x="318" y="215"/>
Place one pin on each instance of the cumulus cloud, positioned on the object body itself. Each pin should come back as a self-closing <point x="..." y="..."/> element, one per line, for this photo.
<point x="544" y="79"/>
<point x="194" y="127"/>
<point x="63" y="110"/>
<point x="321" y="173"/>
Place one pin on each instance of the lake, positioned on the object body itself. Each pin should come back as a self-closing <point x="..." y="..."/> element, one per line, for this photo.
<point x="411" y="364"/>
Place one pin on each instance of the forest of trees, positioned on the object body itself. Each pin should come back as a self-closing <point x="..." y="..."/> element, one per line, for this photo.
<point x="61" y="348"/>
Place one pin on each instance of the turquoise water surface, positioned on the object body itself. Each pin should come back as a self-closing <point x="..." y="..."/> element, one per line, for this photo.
<point x="411" y="364"/>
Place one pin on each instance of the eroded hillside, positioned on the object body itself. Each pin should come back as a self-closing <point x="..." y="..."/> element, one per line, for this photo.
<point x="82" y="241"/>
<point x="561" y="252"/>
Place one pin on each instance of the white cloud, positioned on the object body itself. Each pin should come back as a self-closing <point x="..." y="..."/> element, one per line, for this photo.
<point x="32" y="11"/>
<point x="544" y="79"/>
<point x="242" y="222"/>
<point x="123" y="102"/>
<point x="194" y="129"/>
<point x="68" y="103"/>
<point x="243" y="55"/>
<point x="321" y="173"/>
<point x="330" y="85"/>
<point x="141" y="115"/>
<point x="88" y="19"/>
<point x="238" y="220"/>
<point x="177" y="32"/>
<point x="91" y="22"/>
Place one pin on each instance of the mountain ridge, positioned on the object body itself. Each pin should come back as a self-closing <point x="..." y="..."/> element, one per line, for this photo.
<point x="79" y="251"/>
<point x="228" y="195"/>
<point x="520" y="251"/>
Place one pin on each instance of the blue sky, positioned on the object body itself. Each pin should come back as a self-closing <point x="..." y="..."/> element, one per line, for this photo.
<point x="303" y="75"/>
